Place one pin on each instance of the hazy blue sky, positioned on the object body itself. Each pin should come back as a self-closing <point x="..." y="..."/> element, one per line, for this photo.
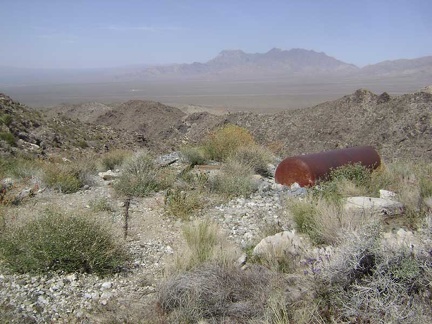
<point x="96" y="33"/>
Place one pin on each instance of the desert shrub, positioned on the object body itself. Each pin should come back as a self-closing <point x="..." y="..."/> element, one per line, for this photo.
<point x="20" y="167"/>
<point x="6" y="119"/>
<point x="141" y="176"/>
<point x="201" y="239"/>
<point x="193" y="155"/>
<point x="223" y="142"/>
<point x="182" y="204"/>
<point x="255" y="156"/>
<point x="8" y="138"/>
<point x="217" y="293"/>
<point x="195" y="180"/>
<point x="367" y="281"/>
<point x="303" y="213"/>
<point x="101" y="204"/>
<point x="324" y="221"/>
<point x="59" y="242"/>
<point x="113" y="159"/>
<point x="68" y="177"/>
<point x="426" y="187"/>
<point x="234" y="180"/>
<point x="204" y="243"/>
<point x="343" y="181"/>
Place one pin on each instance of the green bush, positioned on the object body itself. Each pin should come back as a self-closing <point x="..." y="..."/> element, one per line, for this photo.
<point x="66" y="178"/>
<point x="58" y="242"/>
<point x="304" y="213"/>
<point x="6" y="119"/>
<point x="141" y="176"/>
<point x="356" y="177"/>
<point x="234" y="180"/>
<point x="113" y="159"/>
<point x="8" y="138"/>
<point x="193" y="155"/>
<point x="225" y="141"/>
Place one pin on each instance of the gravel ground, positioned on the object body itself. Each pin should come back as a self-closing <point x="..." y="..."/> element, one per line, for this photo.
<point x="153" y="240"/>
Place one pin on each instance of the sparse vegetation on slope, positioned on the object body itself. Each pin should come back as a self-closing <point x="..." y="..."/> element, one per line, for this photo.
<point x="341" y="266"/>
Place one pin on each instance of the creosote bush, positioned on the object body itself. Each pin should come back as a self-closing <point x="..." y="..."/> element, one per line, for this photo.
<point x="59" y="242"/>
<point x="225" y="141"/>
<point x="141" y="176"/>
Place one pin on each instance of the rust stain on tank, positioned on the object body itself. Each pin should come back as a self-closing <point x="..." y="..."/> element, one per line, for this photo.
<point x="308" y="169"/>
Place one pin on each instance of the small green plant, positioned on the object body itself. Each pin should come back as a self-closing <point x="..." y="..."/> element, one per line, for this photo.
<point x="141" y="176"/>
<point x="303" y="213"/>
<point x="182" y="204"/>
<point x="225" y="141"/>
<point x="6" y="119"/>
<point x="59" y="242"/>
<point x="234" y="180"/>
<point x="8" y="138"/>
<point x="82" y="144"/>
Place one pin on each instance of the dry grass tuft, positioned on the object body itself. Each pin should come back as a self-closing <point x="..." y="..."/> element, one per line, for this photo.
<point x="204" y="243"/>
<point x="217" y="293"/>
<point x="234" y="180"/>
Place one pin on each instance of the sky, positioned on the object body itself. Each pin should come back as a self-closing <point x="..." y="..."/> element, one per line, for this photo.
<point x="108" y="33"/>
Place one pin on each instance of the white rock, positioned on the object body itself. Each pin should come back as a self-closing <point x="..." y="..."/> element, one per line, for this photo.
<point x="374" y="205"/>
<point x="287" y="242"/>
<point x="295" y="186"/>
<point x="106" y="285"/>
<point x="387" y="194"/>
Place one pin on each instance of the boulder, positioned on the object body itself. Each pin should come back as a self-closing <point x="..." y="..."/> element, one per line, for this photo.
<point x="373" y="205"/>
<point x="287" y="242"/>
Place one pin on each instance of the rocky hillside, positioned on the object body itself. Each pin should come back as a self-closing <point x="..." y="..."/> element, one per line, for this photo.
<point x="399" y="126"/>
<point x="23" y="129"/>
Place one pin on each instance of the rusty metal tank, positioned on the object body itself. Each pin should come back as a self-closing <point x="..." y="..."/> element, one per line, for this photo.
<point x="308" y="169"/>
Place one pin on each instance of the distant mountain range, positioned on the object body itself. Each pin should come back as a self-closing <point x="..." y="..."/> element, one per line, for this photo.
<point x="280" y="63"/>
<point x="231" y="64"/>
